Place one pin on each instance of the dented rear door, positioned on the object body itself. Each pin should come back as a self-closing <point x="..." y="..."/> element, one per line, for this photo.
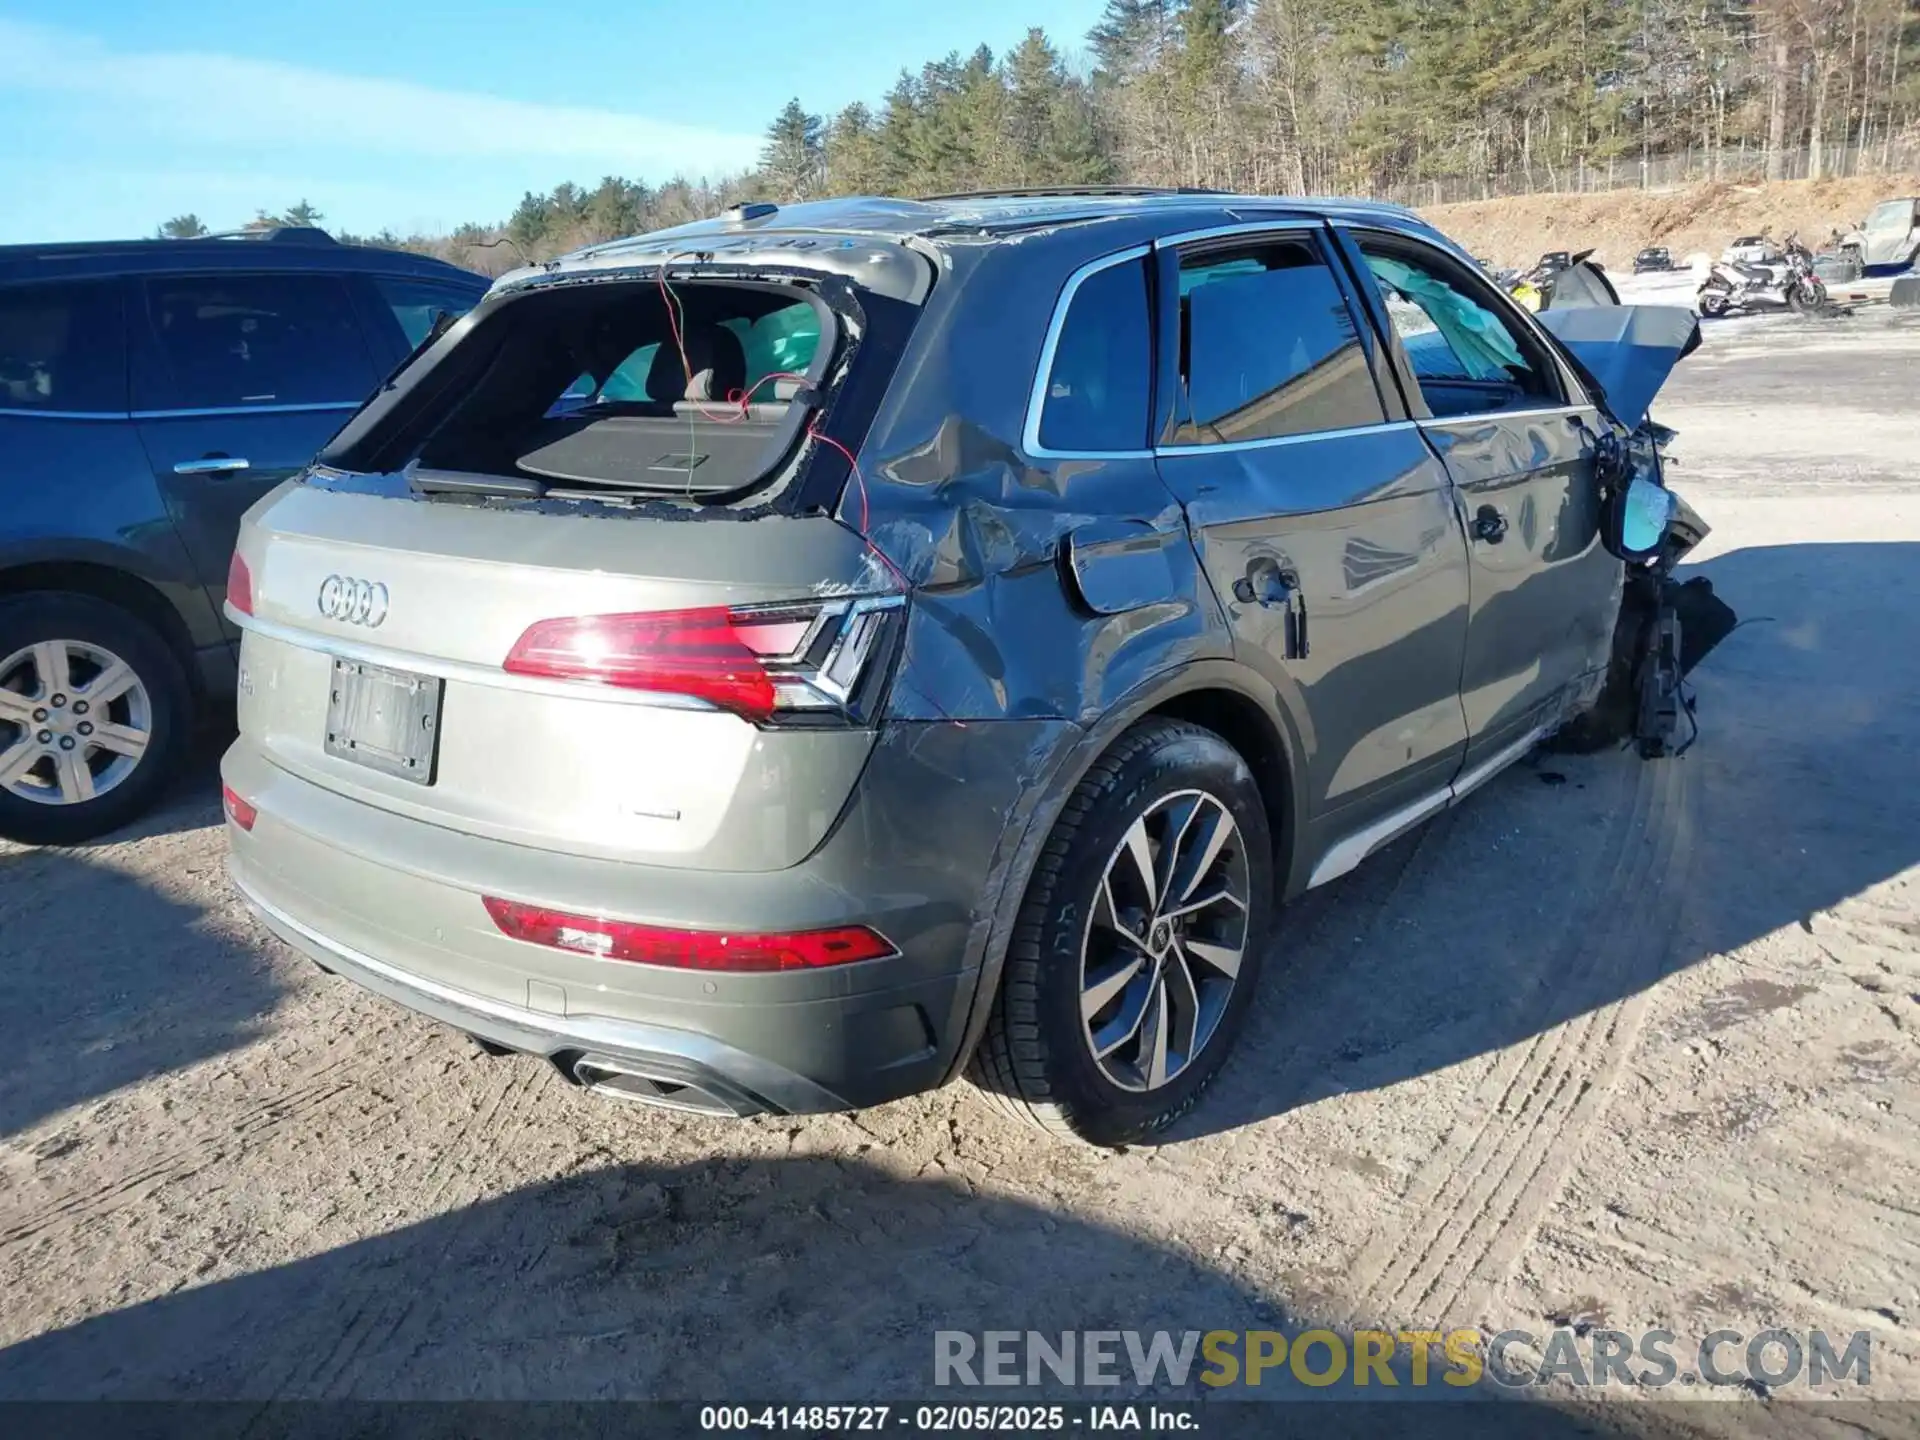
<point x="1322" y="518"/>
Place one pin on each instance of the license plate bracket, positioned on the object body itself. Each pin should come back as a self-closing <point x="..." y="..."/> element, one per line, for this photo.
<point x="387" y="720"/>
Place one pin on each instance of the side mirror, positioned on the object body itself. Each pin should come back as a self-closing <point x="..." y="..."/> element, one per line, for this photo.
<point x="1637" y="519"/>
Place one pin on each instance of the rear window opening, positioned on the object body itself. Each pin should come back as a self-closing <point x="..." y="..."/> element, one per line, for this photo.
<point x="619" y="388"/>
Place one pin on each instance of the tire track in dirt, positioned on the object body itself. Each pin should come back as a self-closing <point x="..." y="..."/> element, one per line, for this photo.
<point x="1479" y="1199"/>
<point x="1643" y="919"/>
<point x="493" y="1125"/>
<point x="519" y="1108"/>
<point x="1388" y="1255"/>
<point x="254" y="1123"/>
<point x="338" y="1355"/>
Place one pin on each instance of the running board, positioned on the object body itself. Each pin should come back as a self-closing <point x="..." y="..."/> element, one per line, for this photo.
<point x="1344" y="856"/>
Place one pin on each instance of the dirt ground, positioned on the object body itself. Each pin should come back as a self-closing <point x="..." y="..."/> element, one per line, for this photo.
<point x="1613" y="1043"/>
<point x="1619" y="223"/>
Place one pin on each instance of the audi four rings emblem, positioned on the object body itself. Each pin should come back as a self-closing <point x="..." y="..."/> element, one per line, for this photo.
<point x="353" y="602"/>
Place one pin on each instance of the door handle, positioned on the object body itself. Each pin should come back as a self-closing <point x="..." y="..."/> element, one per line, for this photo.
<point x="1489" y="525"/>
<point x="212" y="465"/>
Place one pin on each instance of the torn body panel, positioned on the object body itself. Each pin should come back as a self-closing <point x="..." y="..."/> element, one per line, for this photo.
<point x="1628" y="351"/>
<point x="1009" y="617"/>
<point x="1664" y="627"/>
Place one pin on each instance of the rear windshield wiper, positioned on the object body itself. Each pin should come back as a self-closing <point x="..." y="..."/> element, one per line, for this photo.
<point x="424" y="481"/>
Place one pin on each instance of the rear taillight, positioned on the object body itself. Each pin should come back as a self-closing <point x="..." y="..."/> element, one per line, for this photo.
<point x="238" y="810"/>
<point x="813" y="661"/>
<point x="685" y="949"/>
<point x="239" y="585"/>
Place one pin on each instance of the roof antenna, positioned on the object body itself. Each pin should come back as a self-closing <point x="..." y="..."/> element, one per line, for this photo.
<point x="525" y="259"/>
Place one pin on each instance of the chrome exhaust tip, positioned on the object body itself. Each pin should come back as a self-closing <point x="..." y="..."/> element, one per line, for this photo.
<point x="641" y="1084"/>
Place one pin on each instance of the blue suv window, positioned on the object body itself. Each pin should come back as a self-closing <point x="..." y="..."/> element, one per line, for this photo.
<point x="63" y="349"/>
<point x="416" y="304"/>
<point x="1269" y="348"/>
<point x="244" y="341"/>
<point x="1100" y="385"/>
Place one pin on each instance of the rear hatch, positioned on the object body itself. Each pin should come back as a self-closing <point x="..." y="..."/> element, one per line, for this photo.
<point x="574" y="580"/>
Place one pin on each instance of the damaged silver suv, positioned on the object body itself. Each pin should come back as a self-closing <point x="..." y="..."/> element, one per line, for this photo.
<point x="787" y="662"/>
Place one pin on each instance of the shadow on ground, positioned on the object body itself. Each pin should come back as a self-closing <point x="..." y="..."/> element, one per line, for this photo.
<point x="105" y="982"/>
<point x="802" y="1280"/>
<point x="1573" y="882"/>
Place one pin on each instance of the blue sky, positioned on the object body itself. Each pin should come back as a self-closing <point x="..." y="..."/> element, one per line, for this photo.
<point x="121" y="113"/>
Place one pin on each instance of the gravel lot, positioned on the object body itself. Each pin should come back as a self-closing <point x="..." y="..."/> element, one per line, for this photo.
<point x="1628" y="1044"/>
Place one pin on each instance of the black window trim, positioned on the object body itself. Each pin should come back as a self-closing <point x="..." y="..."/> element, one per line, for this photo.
<point x="1450" y="266"/>
<point x="1311" y="231"/>
<point x="118" y="284"/>
<point x="1043" y="372"/>
<point x="141" y="316"/>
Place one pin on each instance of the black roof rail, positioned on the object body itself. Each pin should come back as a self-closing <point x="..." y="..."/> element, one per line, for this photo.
<point x="279" y="234"/>
<point x="1014" y="192"/>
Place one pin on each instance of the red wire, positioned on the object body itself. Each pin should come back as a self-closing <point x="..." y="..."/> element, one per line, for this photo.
<point x="671" y="302"/>
<point x="813" y="429"/>
<point x="906" y="585"/>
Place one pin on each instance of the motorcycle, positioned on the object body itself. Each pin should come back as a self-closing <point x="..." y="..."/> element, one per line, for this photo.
<point x="1557" y="271"/>
<point x="1789" y="284"/>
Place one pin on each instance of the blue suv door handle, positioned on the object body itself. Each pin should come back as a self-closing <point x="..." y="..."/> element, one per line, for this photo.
<point x="211" y="465"/>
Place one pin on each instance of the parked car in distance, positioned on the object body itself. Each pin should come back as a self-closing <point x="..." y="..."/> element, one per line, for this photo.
<point x="1554" y="260"/>
<point x="1653" y="258"/>
<point x="862" y="679"/>
<point x="1750" y="250"/>
<point x="150" y="391"/>
<point x="1888" y="240"/>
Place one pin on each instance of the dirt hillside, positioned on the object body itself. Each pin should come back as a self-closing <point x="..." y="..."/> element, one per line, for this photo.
<point x="1515" y="231"/>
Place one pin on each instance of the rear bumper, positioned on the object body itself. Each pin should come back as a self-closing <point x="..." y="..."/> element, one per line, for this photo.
<point x="682" y="1070"/>
<point x="395" y="905"/>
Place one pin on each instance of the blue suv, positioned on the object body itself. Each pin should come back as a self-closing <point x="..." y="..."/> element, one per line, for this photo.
<point x="150" y="392"/>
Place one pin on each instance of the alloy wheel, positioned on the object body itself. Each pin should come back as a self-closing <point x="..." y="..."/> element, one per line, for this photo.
<point x="1164" y="940"/>
<point x="75" y="722"/>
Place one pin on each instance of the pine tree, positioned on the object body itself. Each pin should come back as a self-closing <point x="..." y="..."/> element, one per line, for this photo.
<point x="527" y="227"/>
<point x="899" y="122"/>
<point x="937" y="151"/>
<point x="1074" y="152"/>
<point x="303" y="216"/>
<point x="1034" y="84"/>
<point x="1132" y="35"/>
<point x="792" y="158"/>
<point x="982" y="154"/>
<point x="852" y="154"/>
<point x="614" y="209"/>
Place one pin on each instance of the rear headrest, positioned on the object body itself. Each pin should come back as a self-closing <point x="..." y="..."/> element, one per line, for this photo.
<point x="715" y="356"/>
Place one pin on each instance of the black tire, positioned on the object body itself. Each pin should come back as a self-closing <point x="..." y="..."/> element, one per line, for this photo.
<point x="27" y="620"/>
<point x="1801" y="299"/>
<point x="1034" y="1058"/>
<point x="1713" y="303"/>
